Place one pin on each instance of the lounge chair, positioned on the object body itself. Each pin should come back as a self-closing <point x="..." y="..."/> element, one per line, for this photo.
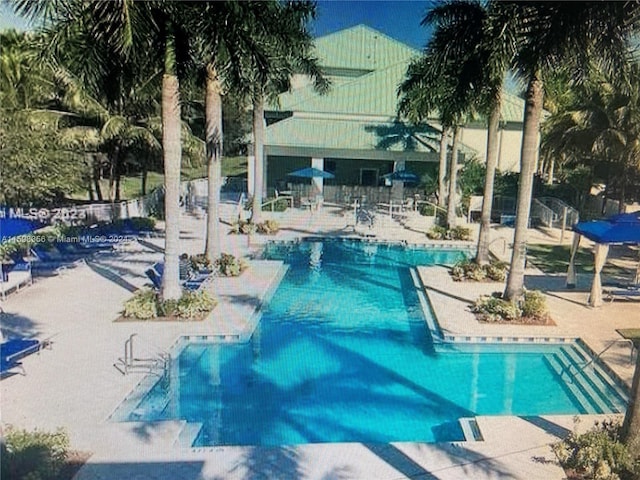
<point x="12" y="351"/>
<point x="621" y="291"/>
<point x="53" y="259"/>
<point x="191" y="284"/>
<point x="15" y="276"/>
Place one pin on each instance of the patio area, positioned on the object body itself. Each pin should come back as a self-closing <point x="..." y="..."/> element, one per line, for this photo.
<point x="75" y="385"/>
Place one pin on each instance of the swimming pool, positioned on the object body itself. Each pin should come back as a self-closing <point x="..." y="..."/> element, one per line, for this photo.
<point x="343" y="354"/>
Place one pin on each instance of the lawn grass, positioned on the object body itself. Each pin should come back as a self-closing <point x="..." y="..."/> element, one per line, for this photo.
<point x="130" y="187"/>
<point x="555" y="259"/>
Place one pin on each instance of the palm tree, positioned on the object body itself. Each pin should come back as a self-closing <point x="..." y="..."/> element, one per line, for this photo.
<point x="137" y="30"/>
<point x="548" y="34"/>
<point x="445" y="79"/>
<point x="288" y="49"/>
<point x="484" y="59"/>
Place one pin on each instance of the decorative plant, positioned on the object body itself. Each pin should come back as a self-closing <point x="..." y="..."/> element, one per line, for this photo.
<point x="34" y="454"/>
<point x="200" y="263"/>
<point x="437" y="233"/>
<point x="493" y="308"/>
<point x="228" y="265"/>
<point x="470" y="270"/>
<point x="597" y="454"/>
<point x="146" y="305"/>
<point x="243" y="227"/>
<point x="143" y="305"/>
<point x="268" y="227"/>
<point x="194" y="304"/>
<point x="442" y="233"/>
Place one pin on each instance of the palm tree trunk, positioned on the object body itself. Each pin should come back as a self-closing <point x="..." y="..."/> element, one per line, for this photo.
<point x="453" y="179"/>
<point x="551" y="171"/>
<point x="442" y="167"/>
<point x="533" y="109"/>
<point x="258" y="155"/>
<point x="484" y="236"/>
<point x="213" y="132"/>
<point x="631" y="424"/>
<point x="96" y="177"/>
<point x="172" y="152"/>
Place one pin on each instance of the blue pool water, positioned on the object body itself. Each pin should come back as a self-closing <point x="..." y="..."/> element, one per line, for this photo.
<point x="342" y="354"/>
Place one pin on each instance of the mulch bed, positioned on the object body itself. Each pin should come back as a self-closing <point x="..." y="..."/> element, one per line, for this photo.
<point x="171" y="318"/>
<point x="542" y="321"/>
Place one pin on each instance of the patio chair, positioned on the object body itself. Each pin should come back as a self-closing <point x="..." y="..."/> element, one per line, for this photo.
<point x="621" y="291"/>
<point x="191" y="284"/>
<point x="12" y="351"/>
<point x="14" y="276"/>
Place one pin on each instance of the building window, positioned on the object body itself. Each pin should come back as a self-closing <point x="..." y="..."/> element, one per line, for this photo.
<point x="330" y="166"/>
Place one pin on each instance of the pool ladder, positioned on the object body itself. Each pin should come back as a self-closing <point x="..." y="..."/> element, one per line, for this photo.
<point x="157" y="362"/>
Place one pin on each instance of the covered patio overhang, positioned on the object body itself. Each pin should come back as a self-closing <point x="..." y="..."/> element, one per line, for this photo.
<point x="618" y="229"/>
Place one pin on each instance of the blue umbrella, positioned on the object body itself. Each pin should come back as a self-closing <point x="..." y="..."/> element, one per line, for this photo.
<point x="403" y="176"/>
<point x="311" y="172"/>
<point x="621" y="228"/>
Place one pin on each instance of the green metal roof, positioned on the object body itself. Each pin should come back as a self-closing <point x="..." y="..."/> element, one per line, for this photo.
<point x="361" y="48"/>
<point x="370" y="94"/>
<point x="367" y="67"/>
<point x="329" y="133"/>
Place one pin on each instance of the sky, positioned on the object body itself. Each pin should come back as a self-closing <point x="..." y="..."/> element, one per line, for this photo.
<point x="399" y="19"/>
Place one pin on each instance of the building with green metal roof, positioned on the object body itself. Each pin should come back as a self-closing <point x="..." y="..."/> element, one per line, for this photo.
<point x="353" y="130"/>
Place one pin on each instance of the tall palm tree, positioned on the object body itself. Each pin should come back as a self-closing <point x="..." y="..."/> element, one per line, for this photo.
<point x="142" y="28"/>
<point x="446" y="80"/>
<point x="550" y="34"/>
<point x="288" y="49"/>
<point x="470" y="33"/>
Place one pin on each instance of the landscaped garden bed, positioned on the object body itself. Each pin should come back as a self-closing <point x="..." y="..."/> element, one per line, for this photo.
<point x="468" y="270"/>
<point x="529" y="309"/>
<point x="146" y="305"/>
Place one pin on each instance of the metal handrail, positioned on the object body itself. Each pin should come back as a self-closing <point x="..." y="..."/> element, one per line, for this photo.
<point x="598" y="356"/>
<point x="128" y="361"/>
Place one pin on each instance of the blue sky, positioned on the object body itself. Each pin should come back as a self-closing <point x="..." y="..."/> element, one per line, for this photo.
<point x="399" y="19"/>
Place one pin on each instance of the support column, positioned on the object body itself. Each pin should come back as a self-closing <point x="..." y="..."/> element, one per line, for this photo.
<point x="318" y="182"/>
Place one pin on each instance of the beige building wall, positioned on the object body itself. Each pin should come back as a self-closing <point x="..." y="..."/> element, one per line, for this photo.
<point x="509" y="144"/>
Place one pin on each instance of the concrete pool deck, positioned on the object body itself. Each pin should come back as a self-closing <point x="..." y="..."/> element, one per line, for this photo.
<point x="74" y="384"/>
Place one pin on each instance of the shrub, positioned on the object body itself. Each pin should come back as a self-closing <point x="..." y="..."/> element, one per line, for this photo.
<point x="200" y="263"/>
<point x="228" y="265"/>
<point x="146" y="305"/>
<point x="470" y="270"/>
<point x="533" y="304"/>
<point x="34" y="455"/>
<point x="494" y="309"/>
<point x="597" y="454"/>
<point x="193" y="304"/>
<point x="280" y="205"/>
<point x="459" y="233"/>
<point x="268" y="227"/>
<point x="442" y="233"/>
<point x="427" y="210"/>
<point x="437" y="233"/>
<point x="497" y="271"/>
<point x="143" y="305"/>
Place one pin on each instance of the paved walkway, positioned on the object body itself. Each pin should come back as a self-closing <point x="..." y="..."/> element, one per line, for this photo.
<point x="75" y="385"/>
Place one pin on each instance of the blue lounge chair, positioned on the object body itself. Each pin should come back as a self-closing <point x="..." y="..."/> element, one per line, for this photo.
<point x="191" y="284"/>
<point x="12" y="351"/>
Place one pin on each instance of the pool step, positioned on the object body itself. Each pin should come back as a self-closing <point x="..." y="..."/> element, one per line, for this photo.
<point x="557" y="364"/>
<point x="188" y="434"/>
<point x="590" y="384"/>
<point x="608" y="394"/>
